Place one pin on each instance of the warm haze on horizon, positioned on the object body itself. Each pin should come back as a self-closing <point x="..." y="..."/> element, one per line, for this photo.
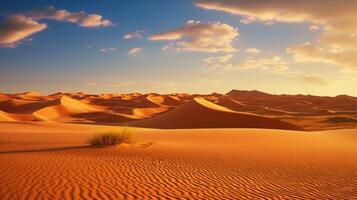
<point x="198" y="46"/>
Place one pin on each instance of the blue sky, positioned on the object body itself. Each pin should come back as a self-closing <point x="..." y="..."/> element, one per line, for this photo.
<point x="68" y="57"/>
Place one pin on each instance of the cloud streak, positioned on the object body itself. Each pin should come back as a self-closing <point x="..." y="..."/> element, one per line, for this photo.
<point x="135" y="51"/>
<point x="108" y="49"/>
<point x="134" y="35"/>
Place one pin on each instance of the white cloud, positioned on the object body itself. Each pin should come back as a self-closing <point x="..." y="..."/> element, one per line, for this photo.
<point x="81" y="18"/>
<point x="314" y="28"/>
<point x="337" y="19"/>
<point x="218" y="59"/>
<point x="134" y="35"/>
<point x="272" y="64"/>
<point x="322" y="53"/>
<point x="17" y="27"/>
<point x="108" y="49"/>
<point x="135" y="51"/>
<point x="314" y="79"/>
<point x="196" y="36"/>
<point x="253" y="51"/>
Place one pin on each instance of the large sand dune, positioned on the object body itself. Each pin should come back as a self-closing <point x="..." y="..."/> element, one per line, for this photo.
<point x="200" y="113"/>
<point x="65" y="106"/>
<point x="51" y="161"/>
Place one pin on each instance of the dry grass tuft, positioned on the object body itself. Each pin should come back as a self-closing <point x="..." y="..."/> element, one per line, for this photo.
<point x="112" y="138"/>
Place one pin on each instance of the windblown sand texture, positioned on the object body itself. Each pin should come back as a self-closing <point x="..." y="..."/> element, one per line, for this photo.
<point x="52" y="161"/>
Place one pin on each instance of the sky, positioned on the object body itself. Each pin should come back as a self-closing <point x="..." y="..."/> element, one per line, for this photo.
<point x="192" y="46"/>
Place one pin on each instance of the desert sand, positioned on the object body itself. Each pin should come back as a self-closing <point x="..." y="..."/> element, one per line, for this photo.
<point x="239" y="145"/>
<point x="42" y="160"/>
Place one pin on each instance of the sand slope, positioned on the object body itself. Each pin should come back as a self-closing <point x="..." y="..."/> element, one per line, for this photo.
<point x="200" y="113"/>
<point x="66" y="106"/>
<point x="51" y="161"/>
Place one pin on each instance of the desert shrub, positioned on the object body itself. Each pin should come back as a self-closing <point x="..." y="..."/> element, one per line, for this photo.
<point x="111" y="138"/>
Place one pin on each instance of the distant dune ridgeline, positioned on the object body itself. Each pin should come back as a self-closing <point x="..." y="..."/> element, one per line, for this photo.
<point x="236" y="109"/>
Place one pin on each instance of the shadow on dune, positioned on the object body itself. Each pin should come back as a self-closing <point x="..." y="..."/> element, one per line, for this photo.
<point x="67" y="148"/>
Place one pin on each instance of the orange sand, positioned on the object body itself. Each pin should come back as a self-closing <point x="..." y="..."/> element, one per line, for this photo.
<point x="52" y="161"/>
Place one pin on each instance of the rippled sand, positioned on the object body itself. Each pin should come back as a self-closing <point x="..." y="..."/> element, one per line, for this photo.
<point x="52" y="161"/>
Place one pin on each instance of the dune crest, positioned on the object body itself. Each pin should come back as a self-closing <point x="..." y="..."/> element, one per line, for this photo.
<point x="66" y="106"/>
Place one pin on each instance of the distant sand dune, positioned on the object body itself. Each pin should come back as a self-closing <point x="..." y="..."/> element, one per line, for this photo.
<point x="66" y="106"/>
<point x="306" y="111"/>
<point x="166" y="100"/>
<point x="4" y="116"/>
<point x="200" y="113"/>
<point x="149" y="112"/>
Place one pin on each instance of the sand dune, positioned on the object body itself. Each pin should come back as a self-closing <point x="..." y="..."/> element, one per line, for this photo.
<point x="66" y="106"/>
<point x="52" y="161"/>
<point x="149" y="112"/>
<point x="25" y="106"/>
<point x="32" y="95"/>
<point x="4" y="116"/>
<point x="166" y="100"/>
<point x="103" y="117"/>
<point x="200" y="113"/>
<point x="4" y="97"/>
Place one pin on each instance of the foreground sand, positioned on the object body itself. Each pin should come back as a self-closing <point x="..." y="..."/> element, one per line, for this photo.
<point x="52" y="161"/>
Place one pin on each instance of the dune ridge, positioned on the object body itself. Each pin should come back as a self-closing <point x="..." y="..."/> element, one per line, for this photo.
<point x="65" y="106"/>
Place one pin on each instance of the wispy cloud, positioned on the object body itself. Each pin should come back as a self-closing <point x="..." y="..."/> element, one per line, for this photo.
<point x="162" y="84"/>
<point x="197" y="36"/>
<point x="253" y="51"/>
<point x="110" y="84"/>
<point x="81" y="18"/>
<point x="314" y="79"/>
<point x="108" y="49"/>
<point x="218" y="59"/>
<point x="134" y="35"/>
<point x="135" y="51"/>
<point x="271" y="64"/>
